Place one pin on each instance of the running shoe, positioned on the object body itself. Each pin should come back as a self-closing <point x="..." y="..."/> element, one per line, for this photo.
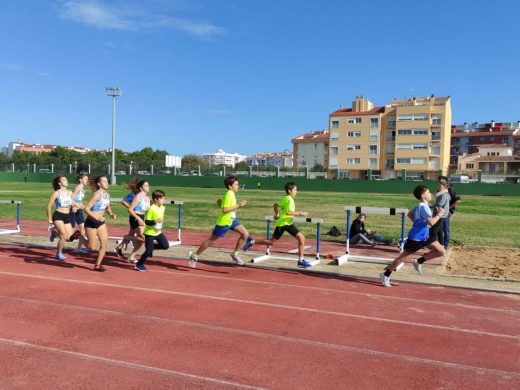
<point x="119" y="253"/>
<point x="236" y="258"/>
<point x="132" y="260"/>
<point x="59" y="256"/>
<point x="140" y="267"/>
<point x="302" y="263"/>
<point x="417" y="266"/>
<point x="75" y="235"/>
<point x="53" y="235"/>
<point x="81" y="250"/>
<point x="192" y="260"/>
<point x="249" y="243"/>
<point x="385" y="279"/>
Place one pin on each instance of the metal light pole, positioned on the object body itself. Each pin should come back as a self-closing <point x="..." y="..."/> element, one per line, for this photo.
<point x="113" y="91"/>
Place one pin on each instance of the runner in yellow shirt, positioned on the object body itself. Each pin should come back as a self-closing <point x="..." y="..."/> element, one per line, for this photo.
<point x="226" y="220"/>
<point x="153" y="221"/>
<point x="284" y="211"/>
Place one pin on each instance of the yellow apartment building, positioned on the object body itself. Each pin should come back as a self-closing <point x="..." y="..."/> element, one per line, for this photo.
<point x="406" y="134"/>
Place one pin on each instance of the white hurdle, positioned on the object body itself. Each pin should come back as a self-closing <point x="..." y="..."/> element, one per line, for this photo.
<point x="18" y="204"/>
<point x="371" y="210"/>
<point x="268" y="255"/>
<point x="178" y="203"/>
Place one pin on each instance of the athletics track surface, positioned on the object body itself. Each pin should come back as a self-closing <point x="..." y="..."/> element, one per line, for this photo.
<point x="224" y="326"/>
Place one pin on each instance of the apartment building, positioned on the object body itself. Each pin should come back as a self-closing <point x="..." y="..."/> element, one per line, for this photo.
<point x="406" y="134"/>
<point x="467" y="138"/>
<point x="495" y="159"/>
<point x="311" y="149"/>
<point x="283" y="159"/>
<point x="222" y="158"/>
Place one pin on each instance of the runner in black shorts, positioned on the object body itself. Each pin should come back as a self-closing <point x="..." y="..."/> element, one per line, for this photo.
<point x="284" y="211"/>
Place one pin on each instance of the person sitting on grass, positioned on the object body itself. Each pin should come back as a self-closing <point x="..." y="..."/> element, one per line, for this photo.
<point x="358" y="232"/>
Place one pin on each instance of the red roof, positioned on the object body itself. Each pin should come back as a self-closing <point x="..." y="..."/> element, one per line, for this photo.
<point x="349" y="112"/>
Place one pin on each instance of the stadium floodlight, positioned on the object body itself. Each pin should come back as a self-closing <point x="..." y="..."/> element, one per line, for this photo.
<point x="113" y="91"/>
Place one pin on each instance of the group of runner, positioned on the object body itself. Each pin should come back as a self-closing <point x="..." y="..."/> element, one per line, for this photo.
<point x="146" y="219"/>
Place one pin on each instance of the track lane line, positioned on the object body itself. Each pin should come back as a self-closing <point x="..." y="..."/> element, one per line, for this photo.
<point x="250" y="302"/>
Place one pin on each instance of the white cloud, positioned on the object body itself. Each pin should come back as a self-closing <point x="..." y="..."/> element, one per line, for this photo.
<point x="94" y="13"/>
<point x="218" y="111"/>
<point x="128" y="16"/>
<point x="11" y="66"/>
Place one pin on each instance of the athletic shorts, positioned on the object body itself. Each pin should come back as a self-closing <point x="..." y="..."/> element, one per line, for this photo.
<point x="77" y="217"/>
<point x="279" y="230"/>
<point x="91" y="223"/>
<point x="59" y="216"/>
<point x="220" y="231"/>
<point x="413" y="246"/>
<point x="134" y="224"/>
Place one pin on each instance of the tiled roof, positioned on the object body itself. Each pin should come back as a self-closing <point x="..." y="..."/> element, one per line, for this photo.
<point x="349" y="112"/>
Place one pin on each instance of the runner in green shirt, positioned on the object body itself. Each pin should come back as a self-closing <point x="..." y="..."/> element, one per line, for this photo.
<point x="284" y="211"/>
<point x="226" y="220"/>
<point x="153" y="236"/>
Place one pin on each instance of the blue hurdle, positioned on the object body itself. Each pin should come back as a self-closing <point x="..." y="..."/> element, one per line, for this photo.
<point x="371" y="210"/>
<point x="178" y="203"/>
<point x="18" y="204"/>
<point x="269" y="219"/>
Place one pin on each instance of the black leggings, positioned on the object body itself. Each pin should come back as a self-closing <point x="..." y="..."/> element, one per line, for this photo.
<point x="150" y="245"/>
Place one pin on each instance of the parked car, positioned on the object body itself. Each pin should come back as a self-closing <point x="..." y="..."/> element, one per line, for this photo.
<point x="453" y="179"/>
<point x="44" y="170"/>
<point x="120" y="173"/>
<point x="143" y="172"/>
<point x="413" y="178"/>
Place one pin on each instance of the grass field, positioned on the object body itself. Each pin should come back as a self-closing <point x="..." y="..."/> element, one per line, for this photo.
<point x="478" y="221"/>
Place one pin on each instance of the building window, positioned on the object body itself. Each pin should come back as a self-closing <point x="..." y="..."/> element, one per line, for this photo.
<point x="411" y="160"/>
<point x="390" y="148"/>
<point x="354" y="120"/>
<point x="413" y="132"/>
<point x="435" y="150"/>
<point x="335" y="124"/>
<point x="334" y="137"/>
<point x="353" y="147"/>
<point x="470" y="166"/>
<point x="390" y="136"/>
<point x="492" y="168"/>
<point x="436" y="136"/>
<point x="389" y="163"/>
<point x="372" y="149"/>
<point x="373" y="135"/>
<point x="391" y="121"/>
<point x="373" y="163"/>
<point x="334" y="150"/>
<point x="354" y="134"/>
<point x="374" y="122"/>
<point x="353" y="161"/>
<point x="414" y="117"/>
<point x="436" y="120"/>
<point x="412" y="146"/>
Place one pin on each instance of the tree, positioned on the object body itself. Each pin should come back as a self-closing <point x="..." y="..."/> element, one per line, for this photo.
<point x="241" y="166"/>
<point x="191" y="161"/>
<point x="318" y="168"/>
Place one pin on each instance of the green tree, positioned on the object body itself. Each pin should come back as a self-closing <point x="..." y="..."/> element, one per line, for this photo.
<point x="191" y="161"/>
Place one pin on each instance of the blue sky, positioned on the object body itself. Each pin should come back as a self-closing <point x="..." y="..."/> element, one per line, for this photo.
<point x="243" y="75"/>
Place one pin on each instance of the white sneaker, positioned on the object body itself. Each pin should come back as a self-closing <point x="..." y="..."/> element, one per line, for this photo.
<point x="417" y="266"/>
<point x="385" y="279"/>
<point x="192" y="260"/>
<point x="130" y="260"/>
<point x="236" y="258"/>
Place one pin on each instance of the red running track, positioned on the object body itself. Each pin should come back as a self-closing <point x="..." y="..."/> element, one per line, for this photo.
<point x="220" y="326"/>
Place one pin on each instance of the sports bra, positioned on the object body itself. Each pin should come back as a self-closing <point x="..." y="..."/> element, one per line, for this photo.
<point x="102" y="203"/>
<point x="63" y="200"/>
<point x="142" y="205"/>
<point x="79" y="196"/>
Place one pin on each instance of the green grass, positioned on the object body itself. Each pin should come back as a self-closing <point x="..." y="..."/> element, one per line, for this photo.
<point x="478" y="221"/>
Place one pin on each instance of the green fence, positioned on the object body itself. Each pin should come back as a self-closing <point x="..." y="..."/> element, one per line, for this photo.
<point x="358" y="186"/>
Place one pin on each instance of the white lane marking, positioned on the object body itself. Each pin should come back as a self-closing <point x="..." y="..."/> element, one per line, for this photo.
<point x="126" y="364"/>
<point x="266" y="304"/>
<point x="320" y="344"/>
<point x="370" y="295"/>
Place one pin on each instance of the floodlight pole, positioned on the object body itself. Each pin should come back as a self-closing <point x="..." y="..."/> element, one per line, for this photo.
<point x="113" y="91"/>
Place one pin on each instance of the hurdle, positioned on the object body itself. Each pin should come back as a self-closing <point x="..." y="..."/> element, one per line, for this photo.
<point x="269" y="219"/>
<point x="371" y="210"/>
<point x="179" y="204"/>
<point x="18" y="204"/>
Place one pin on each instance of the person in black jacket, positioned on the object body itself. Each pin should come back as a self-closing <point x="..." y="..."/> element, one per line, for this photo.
<point x="359" y="233"/>
<point x="454" y="201"/>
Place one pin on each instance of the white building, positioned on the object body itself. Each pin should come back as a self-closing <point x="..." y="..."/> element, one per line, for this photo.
<point x="311" y="149"/>
<point x="495" y="159"/>
<point x="282" y="159"/>
<point x="222" y="158"/>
